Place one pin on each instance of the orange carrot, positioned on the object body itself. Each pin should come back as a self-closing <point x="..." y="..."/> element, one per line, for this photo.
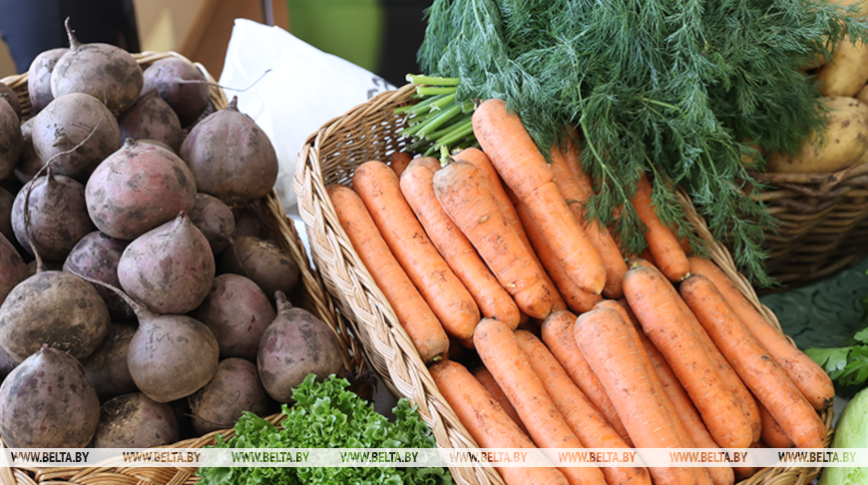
<point x="521" y="165"/>
<point x="505" y="202"/>
<point x="662" y="242"/>
<point x="557" y="333"/>
<point x="773" y="435"/>
<point x="487" y="423"/>
<point x="724" y="369"/>
<point x="487" y="380"/>
<point x="380" y="190"/>
<point x="762" y="375"/>
<point x="465" y="196"/>
<point x="597" y="233"/>
<point x="684" y="407"/>
<point x="573" y="157"/>
<point x="576" y="298"/>
<point x="604" y="340"/>
<point x="581" y="416"/>
<point x="804" y="372"/>
<point x="430" y="162"/>
<point x="417" y="185"/>
<point x="499" y="351"/>
<point x="662" y="320"/>
<point x="399" y="161"/>
<point x="680" y="427"/>
<point x="647" y="256"/>
<point x="412" y="311"/>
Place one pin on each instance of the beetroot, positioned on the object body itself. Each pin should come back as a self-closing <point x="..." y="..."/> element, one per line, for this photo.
<point x="7" y="364"/>
<point x="11" y="140"/>
<point x="152" y="119"/>
<point x="103" y="71"/>
<point x="58" y="215"/>
<point x="6" y="201"/>
<point x="39" y="78"/>
<point x="135" y="421"/>
<point x="97" y="256"/>
<point x="138" y="188"/>
<point x="263" y="262"/>
<point x="12" y="268"/>
<point x="188" y="100"/>
<point x="248" y="223"/>
<point x="106" y="368"/>
<point x="231" y="157"/>
<point x="234" y="389"/>
<point x="29" y="162"/>
<point x="47" y="402"/>
<point x="11" y="97"/>
<point x="294" y="345"/>
<point x="69" y="121"/>
<point x="238" y="312"/>
<point x="170" y="268"/>
<point x="215" y="220"/>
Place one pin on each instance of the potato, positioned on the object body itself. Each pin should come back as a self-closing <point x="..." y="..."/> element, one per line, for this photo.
<point x="847" y="72"/>
<point x="844" y="142"/>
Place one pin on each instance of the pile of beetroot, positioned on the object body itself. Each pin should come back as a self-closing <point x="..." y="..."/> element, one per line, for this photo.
<point x="154" y="307"/>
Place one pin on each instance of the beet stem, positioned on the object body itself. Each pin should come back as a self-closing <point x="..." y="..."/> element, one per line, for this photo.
<point x="216" y="85"/>
<point x="73" y="42"/>
<point x="142" y="313"/>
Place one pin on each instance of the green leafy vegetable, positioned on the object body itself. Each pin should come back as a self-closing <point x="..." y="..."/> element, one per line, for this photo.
<point x="672" y="88"/>
<point x="328" y="415"/>
<point x="847" y="366"/>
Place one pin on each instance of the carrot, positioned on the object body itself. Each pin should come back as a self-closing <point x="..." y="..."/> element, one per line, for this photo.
<point x="557" y="333"/>
<point x="611" y="352"/>
<point x="487" y="422"/>
<point x="762" y="375"/>
<point x="573" y="157"/>
<point x="662" y="242"/>
<point x="647" y="256"/>
<point x="417" y="185"/>
<point x="380" y="190"/>
<point x="399" y="161"/>
<point x="576" y="298"/>
<point x="499" y="351"/>
<point x="662" y="320"/>
<point x="516" y="158"/>
<point x="773" y="435"/>
<point x="684" y="407"/>
<point x="430" y="162"/>
<point x="505" y="202"/>
<point x="598" y="234"/>
<point x="662" y="397"/>
<point x="581" y="416"/>
<point x="413" y="313"/>
<point x="465" y="196"/>
<point x="487" y="380"/>
<point x="809" y="377"/>
<point x="724" y="369"/>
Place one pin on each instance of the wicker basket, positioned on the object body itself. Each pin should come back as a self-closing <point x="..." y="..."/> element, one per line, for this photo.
<point x="370" y="132"/>
<point x="309" y="294"/>
<point x="823" y="222"/>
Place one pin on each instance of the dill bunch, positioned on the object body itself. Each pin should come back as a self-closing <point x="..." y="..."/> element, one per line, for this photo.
<point x="674" y="88"/>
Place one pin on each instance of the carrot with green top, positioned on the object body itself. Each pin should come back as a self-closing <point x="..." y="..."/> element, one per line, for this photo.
<point x="425" y="331"/>
<point x="604" y="340"/>
<point x="558" y="335"/>
<point x="487" y="423"/>
<point x="417" y="185"/>
<point x="809" y="377"/>
<point x="499" y="351"/>
<point x="662" y="320"/>
<point x="380" y="190"/>
<point x="523" y="168"/>
<point x="465" y="196"/>
<point x="581" y="416"/>
<point x="763" y="376"/>
<point x="662" y="242"/>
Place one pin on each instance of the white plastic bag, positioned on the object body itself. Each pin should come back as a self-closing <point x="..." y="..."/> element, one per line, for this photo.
<point x="305" y="88"/>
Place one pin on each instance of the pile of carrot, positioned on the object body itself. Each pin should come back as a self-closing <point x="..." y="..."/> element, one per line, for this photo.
<point x="580" y="345"/>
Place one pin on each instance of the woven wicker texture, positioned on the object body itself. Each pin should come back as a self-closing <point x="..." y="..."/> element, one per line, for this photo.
<point x="309" y="294"/>
<point x="823" y="222"/>
<point x="370" y="132"/>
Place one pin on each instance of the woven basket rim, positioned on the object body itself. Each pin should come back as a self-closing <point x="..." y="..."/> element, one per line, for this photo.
<point x="400" y="367"/>
<point x="310" y="289"/>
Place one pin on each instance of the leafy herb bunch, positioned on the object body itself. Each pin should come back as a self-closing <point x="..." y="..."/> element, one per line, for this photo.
<point x="847" y="366"/>
<point x="675" y="88"/>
